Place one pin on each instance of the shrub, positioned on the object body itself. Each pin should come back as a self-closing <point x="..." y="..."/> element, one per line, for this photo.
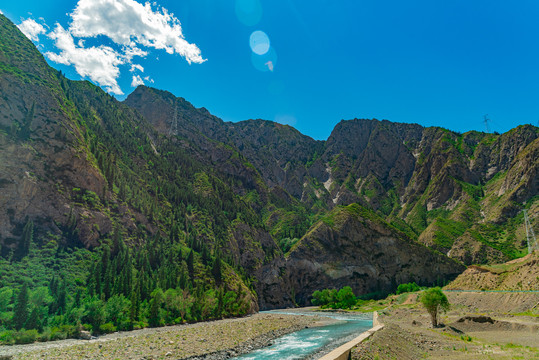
<point x="57" y="334"/>
<point x="26" y="336"/>
<point x="409" y="287"/>
<point x="7" y="337"/>
<point x="44" y="336"/>
<point x="71" y="331"/>
<point x="342" y="299"/>
<point x="107" y="328"/>
<point x="324" y="297"/>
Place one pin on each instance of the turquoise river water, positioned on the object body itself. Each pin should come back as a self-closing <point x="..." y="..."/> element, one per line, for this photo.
<point x="305" y="343"/>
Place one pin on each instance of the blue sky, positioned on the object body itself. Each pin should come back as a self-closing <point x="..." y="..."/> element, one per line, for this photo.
<point x="436" y="63"/>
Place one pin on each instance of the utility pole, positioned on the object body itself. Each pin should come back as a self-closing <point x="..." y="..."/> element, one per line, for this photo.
<point x="486" y="120"/>
<point x="530" y="235"/>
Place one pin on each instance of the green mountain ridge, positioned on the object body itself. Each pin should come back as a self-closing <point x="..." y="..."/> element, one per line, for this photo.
<point x="430" y="181"/>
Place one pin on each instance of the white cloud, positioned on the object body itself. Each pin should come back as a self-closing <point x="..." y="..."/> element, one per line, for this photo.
<point x="131" y="52"/>
<point x="100" y="64"/>
<point x="31" y="29"/>
<point x="137" y="80"/>
<point x="135" y="67"/>
<point x="1" y="12"/>
<point x="129" y="23"/>
<point x="132" y="30"/>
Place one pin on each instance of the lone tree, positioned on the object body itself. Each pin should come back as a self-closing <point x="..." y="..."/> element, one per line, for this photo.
<point x="434" y="299"/>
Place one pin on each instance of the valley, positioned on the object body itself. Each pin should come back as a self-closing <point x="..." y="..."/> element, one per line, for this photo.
<point x="150" y="212"/>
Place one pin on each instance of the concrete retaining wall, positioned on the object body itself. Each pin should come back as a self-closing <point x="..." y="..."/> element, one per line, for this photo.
<point x="343" y="352"/>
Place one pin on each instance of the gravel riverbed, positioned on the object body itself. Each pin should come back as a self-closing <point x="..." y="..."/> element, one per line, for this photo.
<point x="213" y="340"/>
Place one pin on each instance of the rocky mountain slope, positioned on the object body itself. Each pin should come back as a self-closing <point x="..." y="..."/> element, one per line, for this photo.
<point x="377" y="204"/>
<point x="351" y="246"/>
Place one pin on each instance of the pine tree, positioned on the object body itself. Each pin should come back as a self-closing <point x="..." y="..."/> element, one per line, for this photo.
<point x="91" y="283"/>
<point x="117" y="242"/>
<point x="33" y="320"/>
<point x="21" y="308"/>
<point x="183" y="280"/>
<point x="61" y="300"/>
<point x="155" y="304"/>
<point x="108" y="283"/>
<point x="135" y="304"/>
<point x="190" y="264"/>
<point x="53" y="286"/>
<point x="216" y="270"/>
<point x="205" y="255"/>
<point x="27" y="238"/>
<point x="220" y="302"/>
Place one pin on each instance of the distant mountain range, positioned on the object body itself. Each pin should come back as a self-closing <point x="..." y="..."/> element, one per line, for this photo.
<point x="375" y="205"/>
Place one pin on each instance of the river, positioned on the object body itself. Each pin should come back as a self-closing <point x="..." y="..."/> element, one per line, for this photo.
<point x="316" y="341"/>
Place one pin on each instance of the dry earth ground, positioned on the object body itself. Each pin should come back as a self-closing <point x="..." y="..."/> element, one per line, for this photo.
<point x="408" y="334"/>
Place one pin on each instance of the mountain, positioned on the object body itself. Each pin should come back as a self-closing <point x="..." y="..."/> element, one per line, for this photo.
<point x="165" y="211"/>
<point x="460" y="194"/>
<point x="351" y="246"/>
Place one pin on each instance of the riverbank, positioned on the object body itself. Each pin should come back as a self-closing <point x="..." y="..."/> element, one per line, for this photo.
<point x="213" y="340"/>
<point x="478" y="326"/>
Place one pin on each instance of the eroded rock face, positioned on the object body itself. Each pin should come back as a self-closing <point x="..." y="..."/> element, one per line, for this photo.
<point x="353" y="247"/>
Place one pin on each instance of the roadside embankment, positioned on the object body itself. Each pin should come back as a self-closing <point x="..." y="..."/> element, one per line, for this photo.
<point x="343" y="352"/>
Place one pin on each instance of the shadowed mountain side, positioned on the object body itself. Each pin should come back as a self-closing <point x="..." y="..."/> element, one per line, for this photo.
<point x="351" y="246"/>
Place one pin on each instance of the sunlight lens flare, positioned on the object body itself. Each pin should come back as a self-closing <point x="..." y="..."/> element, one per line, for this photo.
<point x="265" y="62"/>
<point x="259" y="42"/>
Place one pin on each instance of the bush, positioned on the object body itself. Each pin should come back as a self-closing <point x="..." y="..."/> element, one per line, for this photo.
<point x="26" y="336"/>
<point x="342" y="299"/>
<point x="324" y="297"/>
<point x="7" y="337"/>
<point x="409" y="287"/>
<point x="346" y="298"/>
<point x="107" y="328"/>
<point x="57" y="334"/>
<point x="44" y="336"/>
<point x="71" y="331"/>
